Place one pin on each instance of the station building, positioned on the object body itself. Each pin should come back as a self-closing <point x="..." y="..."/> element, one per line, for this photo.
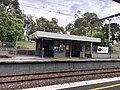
<point x="62" y="45"/>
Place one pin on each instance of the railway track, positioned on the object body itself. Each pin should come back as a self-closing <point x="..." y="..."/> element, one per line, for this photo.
<point x="16" y="78"/>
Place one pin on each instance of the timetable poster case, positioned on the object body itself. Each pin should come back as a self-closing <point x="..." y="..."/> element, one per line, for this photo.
<point x="102" y="50"/>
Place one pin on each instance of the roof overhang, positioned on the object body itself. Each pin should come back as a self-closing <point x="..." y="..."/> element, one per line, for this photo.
<point x="41" y="34"/>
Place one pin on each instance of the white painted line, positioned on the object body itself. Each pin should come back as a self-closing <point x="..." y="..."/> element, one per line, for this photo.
<point x="75" y="84"/>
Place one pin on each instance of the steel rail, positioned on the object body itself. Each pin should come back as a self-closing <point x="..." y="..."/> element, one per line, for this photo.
<point x="62" y="76"/>
<point x="52" y="72"/>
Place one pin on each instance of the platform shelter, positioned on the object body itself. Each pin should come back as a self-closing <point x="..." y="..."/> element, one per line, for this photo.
<point x="62" y="45"/>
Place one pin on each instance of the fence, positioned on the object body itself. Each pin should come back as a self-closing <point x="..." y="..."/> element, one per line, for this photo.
<point x="114" y="53"/>
<point x="9" y="49"/>
<point x="25" y="48"/>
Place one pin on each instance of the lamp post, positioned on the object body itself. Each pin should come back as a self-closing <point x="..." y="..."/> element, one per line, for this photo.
<point x="91" y="44"/>
<point x="109" y="31"/>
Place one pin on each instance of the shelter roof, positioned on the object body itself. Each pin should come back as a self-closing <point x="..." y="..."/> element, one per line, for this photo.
<point x="40" y="34"/>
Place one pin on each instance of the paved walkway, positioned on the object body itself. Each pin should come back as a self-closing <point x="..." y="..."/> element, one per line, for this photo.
<point x="39" y="59"/>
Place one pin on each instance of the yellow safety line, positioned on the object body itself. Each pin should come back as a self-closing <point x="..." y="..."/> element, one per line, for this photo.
<point x="110" y="86"/>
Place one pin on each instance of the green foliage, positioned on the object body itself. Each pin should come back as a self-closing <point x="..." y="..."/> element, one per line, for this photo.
<point x="29" y="24"/>
<point x="114" y="28"/>
<point x="49" y="26"/>
<point x="99" y="34"/>
<point x="83" y="26"/>
<point x="10" y="27"/>
<point x="12" y="6"/>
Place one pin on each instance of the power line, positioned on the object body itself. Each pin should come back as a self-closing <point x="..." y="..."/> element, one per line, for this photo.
<point x="52" y="3"/>
<point x="43" y="8"/>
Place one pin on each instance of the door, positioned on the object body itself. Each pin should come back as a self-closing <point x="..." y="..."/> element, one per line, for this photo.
<point x="48" y="48"/>
<point x="67" y="50"/>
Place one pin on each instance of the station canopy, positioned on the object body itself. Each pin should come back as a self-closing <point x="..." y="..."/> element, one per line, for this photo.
<point x="41" y="34"/>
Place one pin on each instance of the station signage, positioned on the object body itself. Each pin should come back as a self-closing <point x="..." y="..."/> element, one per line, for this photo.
<point x="103" y="50"/>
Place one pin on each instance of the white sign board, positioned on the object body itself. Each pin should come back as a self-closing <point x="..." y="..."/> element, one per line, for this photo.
<point x="102" y="49"/>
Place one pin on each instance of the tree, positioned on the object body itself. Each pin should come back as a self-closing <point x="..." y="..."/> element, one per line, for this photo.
<point x="12" y="6"/>
<point x="29" y="25"/>
<point x="99" y="34"/>
<point x="10" y="27"/>
<point x="114" y="29"/>
<point x="54" y="26"/>
<point x="42" y="24"/>
<point x="81" y="27"/>
<point x="84" y="25"/>
<point x="69" y="28"/>
<point x="49" y="26"/>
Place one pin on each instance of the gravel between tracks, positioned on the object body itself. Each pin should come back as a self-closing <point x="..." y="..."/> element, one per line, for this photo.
<point x="15" y="78"/>
<point x="38" y="83"/>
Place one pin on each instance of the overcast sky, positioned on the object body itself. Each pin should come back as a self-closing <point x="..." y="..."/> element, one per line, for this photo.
<point x="64" y="10"/>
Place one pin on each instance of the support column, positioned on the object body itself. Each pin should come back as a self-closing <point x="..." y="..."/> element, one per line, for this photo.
<point x="42" y="48"/>
<point x="53" y="48"/>
<point x="91" y="45"/>
<point x="70" y="49"/>
<point x="38" y="47"/>
<point x="83" y="51"/>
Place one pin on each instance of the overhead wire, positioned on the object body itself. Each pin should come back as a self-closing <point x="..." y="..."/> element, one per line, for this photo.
<point x="53" y="3"/>
<point x="44" y="8"/>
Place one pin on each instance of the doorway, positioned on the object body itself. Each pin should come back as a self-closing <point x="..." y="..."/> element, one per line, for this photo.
<point x="67" y="50"/>
<point x="75" y="49"/>
<point x="48" y="48"/>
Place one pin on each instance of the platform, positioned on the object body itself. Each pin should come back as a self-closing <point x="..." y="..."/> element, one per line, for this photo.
<point x="29" y="64"/>
<point x="97" y="84"/>
<point x="31" y="59"/>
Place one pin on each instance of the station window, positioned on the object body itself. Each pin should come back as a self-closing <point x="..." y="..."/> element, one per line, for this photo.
<point x="59" y="47"/>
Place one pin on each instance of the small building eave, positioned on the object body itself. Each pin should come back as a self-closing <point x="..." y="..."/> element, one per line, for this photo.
<point x="40" y="34"/>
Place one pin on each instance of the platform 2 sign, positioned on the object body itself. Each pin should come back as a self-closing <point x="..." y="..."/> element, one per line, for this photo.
<point x="102" y="50"/>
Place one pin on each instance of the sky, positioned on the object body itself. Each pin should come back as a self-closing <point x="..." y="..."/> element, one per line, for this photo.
<point x="65" y="10"/>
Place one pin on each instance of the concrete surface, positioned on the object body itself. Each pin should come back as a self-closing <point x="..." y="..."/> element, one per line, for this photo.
<point x="25" y="59"/>
<point x="98" y="84"/>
